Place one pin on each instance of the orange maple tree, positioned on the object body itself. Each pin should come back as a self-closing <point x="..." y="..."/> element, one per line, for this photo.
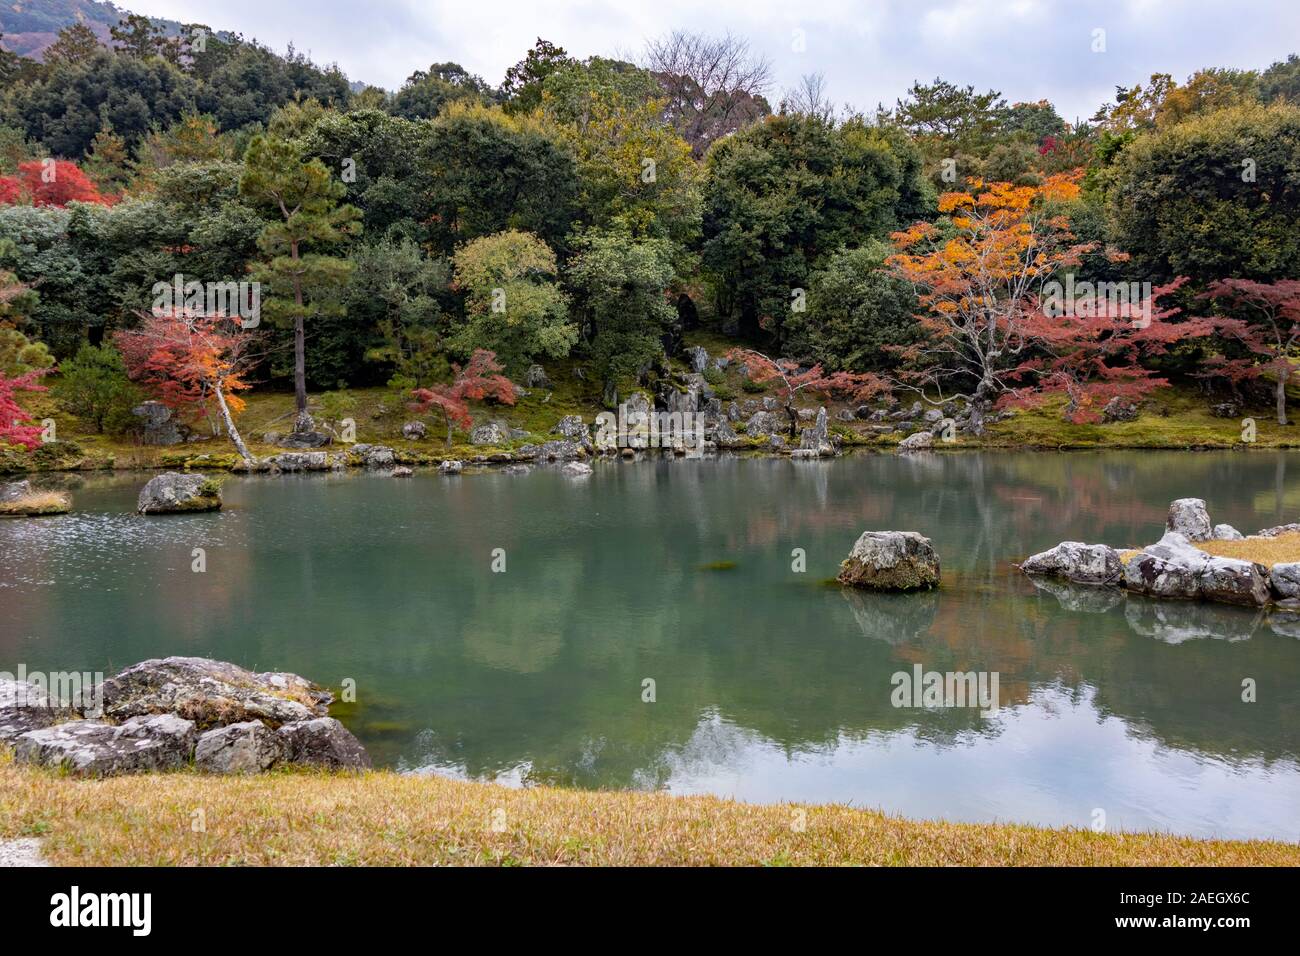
<point x="50" y="183"/>
<point x="186" y="359"/>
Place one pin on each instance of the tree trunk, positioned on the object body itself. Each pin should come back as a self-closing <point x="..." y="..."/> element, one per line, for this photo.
<point x="231" y="430"/>
<point x="1281" y="395"/>
<point x="791" y="411"/>
<point x="302" y="421"/>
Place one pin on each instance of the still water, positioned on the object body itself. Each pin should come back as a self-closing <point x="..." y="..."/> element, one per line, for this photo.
<point x="769" y="684"/>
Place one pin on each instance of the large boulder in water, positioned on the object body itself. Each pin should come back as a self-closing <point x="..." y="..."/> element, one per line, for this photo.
<point x="1233" y="581"/>
<point x="891" y="561"/>
<point x="1077" y="562"/>
<point x="92" y="747"/>
<point x="1188" y="517"/>
<point x="176" y="493"/>
<point x="212" y="693"/>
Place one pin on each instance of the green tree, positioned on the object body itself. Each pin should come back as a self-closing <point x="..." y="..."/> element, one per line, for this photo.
<point x="522" y="87"/>
<point x="857" y="311"/>
<point x="426" y="92"/>
<point x="1214" y="196"/>
<point x="512" y="305"/>
<point x="303" y="201"/>
<point x="944" y="117"/>
<point x="94" y="386"/>
<point x="73" y="45"/>
<point x="621" y="294"/>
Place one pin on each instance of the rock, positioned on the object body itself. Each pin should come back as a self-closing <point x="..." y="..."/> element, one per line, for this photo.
<point x="576" y="469"/>
<point x="1226" y="410"/>
<point x="450" y="466"/>
<point x="402" y="472"/>
<point x="921" y="441"/>
<point x="414" y="431"/>
<point x="374" y="456"/>
<point x="322" y="742"/>
<point x="24" y="707"/>
<point x="302" y="439"/>
<point x="1232" y="581"/>
<point x="638" y="404"/>
<point x="516" y="470"/>
<point x="15" y="490"/>
<point x="536" y="377"/>
<point x="761" y="424"/>
<point x="211" y="693"/>
<point x="92" y="747"/>
<point x="560" y="450"/>
<point x="1187" y="516"/>
<point x="489" y="434"/>
<point x="298" y="461"/>
<point x="817" y="439"/>
<point x="175" y="493"/>
<point x="1226" y="532"/>
<point x="777" y="443"/>
<point x="726" y="436"/>
<point x="246" y="747"/>
<point x="158" y="424"/>
<point x="572" y="427"/>
<point x="1284" y="579"/>
<point x="1148" y="574"/>
<point x="1077" y="562"/>
<point x="932" y="415"/>
<point x="733" y="412"/>
<point x="891" y="561"/>
<point x="699" y="359"/>
<point x="1119" y="410"/>
<point x="1280" y="529"/>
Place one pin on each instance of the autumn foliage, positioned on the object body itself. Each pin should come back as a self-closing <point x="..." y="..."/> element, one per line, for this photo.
<point x="12" y="415"/>
<point x="50" y="183"/>
<point x="481" y="378"/>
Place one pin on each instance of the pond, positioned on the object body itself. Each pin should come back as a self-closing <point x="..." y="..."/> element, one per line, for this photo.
<point x="768" y="683"/>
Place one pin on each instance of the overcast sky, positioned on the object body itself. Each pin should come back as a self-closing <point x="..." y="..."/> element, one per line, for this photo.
<point x="869" y="50"/>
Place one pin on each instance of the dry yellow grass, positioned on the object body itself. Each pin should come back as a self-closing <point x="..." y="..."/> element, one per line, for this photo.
<point x="1266" y="551"/>
<point x="384" y="819"/>
<point x="39" y="503"/>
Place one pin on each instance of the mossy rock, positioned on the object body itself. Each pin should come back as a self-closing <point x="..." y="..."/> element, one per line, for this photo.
<point x="37" y="505"/>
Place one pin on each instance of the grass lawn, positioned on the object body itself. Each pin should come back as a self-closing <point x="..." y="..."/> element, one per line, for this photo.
<point x="383" y="819"/>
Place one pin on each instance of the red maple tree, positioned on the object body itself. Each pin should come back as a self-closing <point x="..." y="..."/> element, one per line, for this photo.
<point x="50" y="183"/>
<point x="791" y="379"/>
<point x="187" y="359"/>
<point x="480" y="379"/>
<point x="12" y="415"/>
<point x="1265" y="325"/>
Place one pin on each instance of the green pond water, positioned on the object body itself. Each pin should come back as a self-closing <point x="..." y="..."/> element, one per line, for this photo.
<point x="769" y="684"/>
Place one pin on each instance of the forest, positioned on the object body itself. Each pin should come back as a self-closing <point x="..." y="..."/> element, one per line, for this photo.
<point x="585" y="216"/>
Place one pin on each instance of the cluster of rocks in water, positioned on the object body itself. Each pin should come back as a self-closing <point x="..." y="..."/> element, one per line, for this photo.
<point x="176" y="712"/>
<point x="1174" y="568"/>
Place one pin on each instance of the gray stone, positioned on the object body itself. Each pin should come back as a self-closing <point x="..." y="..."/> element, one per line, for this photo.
<point x="158" y="425"/>
<point x="490" y="434"/>
<point x="761" y="424"/>
<point x="293" y="461"/>
<point x="302" y="439"/>
<point x="932" y="415"/>
<point x="576" y="469"/>
<point x="211" y="693"/>
<point x="246" y="747"/>
<point x="174" y="493"/>
<point x="891" y="561"/>
<point x="536" y="377"/>
<point x="1119" y="410"/>
<point x="1284" y="579"/>
<point x="572" y="427"/>
<point x="921" y="441"/>
<point x="374" y="456"/>
<point x="1187" y="516"/>
<point x="560" y="450"/>
<point x="1281" y="529"/>
<point x="1226" y="410"/>
<point x="402" y="472"/>
<point x="322" y="742"/>
<point x="699" y="359"/>
<point x="450" y="466"/>
<point x="1226" y="532"/>
<point x="1232" y="581"/>
<point x="817" y="439"/>
<point x="1148" y="574"/>
<point x="414" y="431"/>
<point x="92" y="747"/>
<point x="1077" y="562"/>
<point x="24" y="707"/>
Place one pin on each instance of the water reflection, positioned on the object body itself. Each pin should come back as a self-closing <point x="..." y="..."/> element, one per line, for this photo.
<point x="769" y="684"/>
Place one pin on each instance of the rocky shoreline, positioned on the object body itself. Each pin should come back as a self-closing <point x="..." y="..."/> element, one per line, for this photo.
<point x="178" y="712"/>
<point x="1174" y="568"/>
